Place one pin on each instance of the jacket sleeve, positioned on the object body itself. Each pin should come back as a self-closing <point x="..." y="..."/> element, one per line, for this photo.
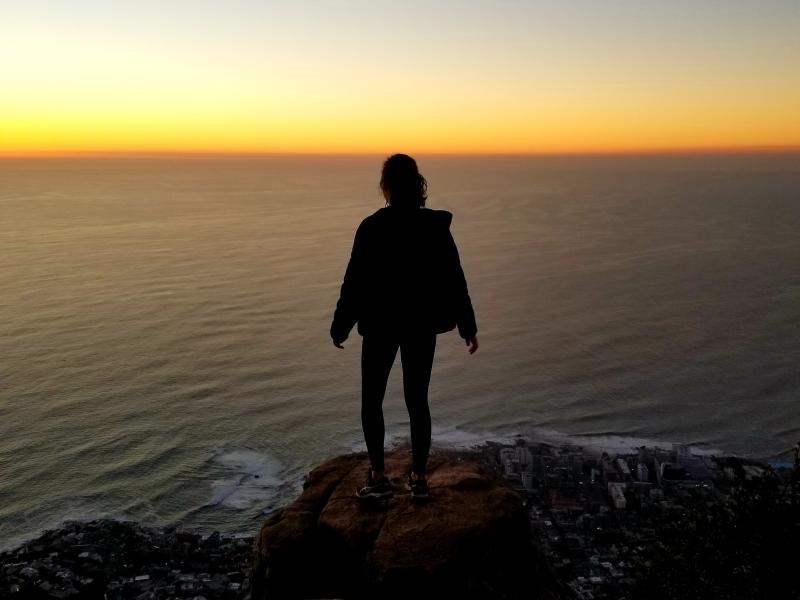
<point x="465" y="316"/>
<point x="347" y="308"/>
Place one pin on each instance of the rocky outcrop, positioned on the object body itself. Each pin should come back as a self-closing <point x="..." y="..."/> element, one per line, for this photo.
<point x="470" y="540"/>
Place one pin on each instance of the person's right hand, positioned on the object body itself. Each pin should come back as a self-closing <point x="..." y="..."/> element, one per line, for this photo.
<point x="473" y="344"/>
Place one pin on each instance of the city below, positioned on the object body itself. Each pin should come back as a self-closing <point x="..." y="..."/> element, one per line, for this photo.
<point x="597" y="517"/>
<point x="598" y="522"/>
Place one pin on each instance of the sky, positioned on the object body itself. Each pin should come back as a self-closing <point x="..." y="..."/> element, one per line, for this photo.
<point x="453" y="76"/>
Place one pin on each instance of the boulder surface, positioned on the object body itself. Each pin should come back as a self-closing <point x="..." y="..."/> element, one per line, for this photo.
<point x="471" y="539"/>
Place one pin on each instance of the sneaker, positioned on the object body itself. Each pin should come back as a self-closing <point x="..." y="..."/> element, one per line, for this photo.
<point x="375" y="489"/>
<point x="418" y="487"/>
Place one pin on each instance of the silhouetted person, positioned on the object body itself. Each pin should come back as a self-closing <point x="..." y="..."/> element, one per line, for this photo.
<point x="403" y="285"/>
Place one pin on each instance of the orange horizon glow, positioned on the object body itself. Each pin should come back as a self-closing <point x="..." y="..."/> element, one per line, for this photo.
<point x="678" y="151"/>
<point x="91" y="78"/>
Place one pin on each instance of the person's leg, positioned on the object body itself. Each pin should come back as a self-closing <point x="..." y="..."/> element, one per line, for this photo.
<point x="416" y="354"/>
<point x="377" y="357"/>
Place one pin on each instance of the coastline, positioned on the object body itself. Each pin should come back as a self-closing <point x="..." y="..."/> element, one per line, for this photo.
<point x="570" y="494"/>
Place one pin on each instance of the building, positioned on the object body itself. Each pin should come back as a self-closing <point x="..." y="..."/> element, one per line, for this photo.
<point x="523" y="456"/>
<point x="511" y="468"/>
<point x="672" y="472"/>
<point x="607" y="469"/>
<point x="682" y="453"/>
<point x="617" y="493"/>
<point x="506" y="455"/>
<point x="527" y="480"/>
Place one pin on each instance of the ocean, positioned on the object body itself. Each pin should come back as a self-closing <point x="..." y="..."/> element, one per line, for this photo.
<point x="164" y="348"/>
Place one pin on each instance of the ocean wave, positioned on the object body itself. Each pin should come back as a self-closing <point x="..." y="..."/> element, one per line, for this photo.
<point x="612" y="442"/>
<point x="247" y="478"/>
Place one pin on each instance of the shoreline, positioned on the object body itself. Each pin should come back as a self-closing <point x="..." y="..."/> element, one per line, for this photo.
<point x="562" y="487"/>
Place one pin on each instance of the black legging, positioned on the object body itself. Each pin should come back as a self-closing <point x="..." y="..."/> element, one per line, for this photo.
<point x="377" y="356"/>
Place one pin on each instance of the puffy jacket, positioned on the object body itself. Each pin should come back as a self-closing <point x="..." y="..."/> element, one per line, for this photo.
<point x="404" y="274"/>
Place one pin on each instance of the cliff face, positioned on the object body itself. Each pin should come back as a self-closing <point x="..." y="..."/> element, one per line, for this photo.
<point x="470" y="540"/>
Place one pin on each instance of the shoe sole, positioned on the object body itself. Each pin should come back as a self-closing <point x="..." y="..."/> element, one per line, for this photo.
<point x="416" y="496"/>
<point x="379" y="496"/>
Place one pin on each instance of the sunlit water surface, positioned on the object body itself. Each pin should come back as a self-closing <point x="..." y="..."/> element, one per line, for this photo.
<point x="164" y="349"/>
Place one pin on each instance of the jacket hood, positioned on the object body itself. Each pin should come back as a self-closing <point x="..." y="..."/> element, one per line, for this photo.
<point x="440" y="218"/>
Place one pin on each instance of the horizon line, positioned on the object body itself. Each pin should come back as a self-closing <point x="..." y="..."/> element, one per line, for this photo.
<point x="686" y="151"/>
